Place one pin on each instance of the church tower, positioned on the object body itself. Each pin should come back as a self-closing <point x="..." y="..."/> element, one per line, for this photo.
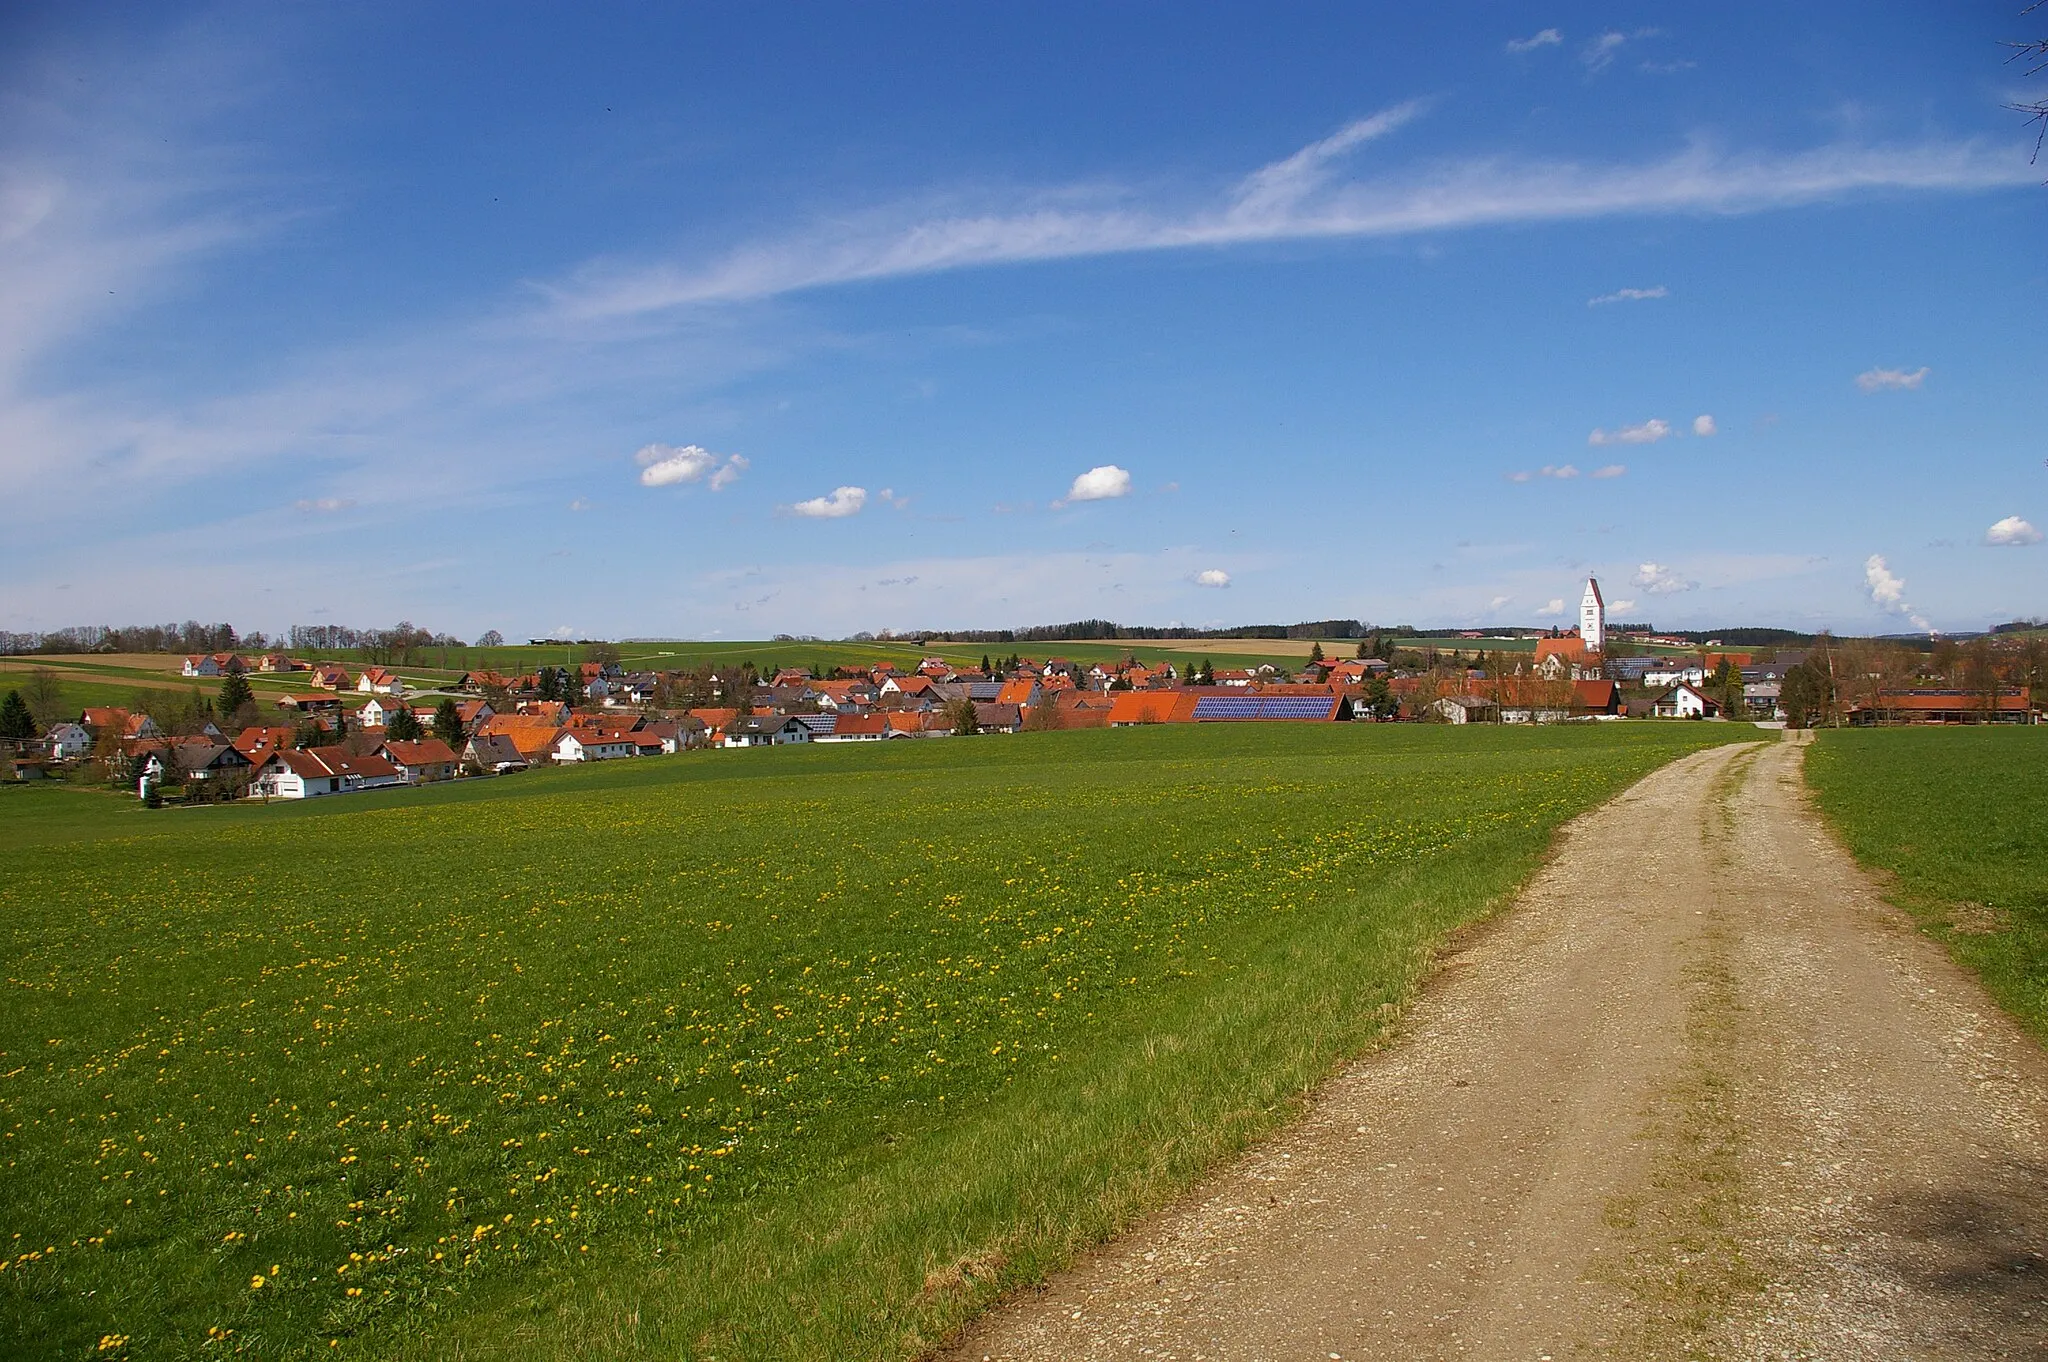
<point x="1593" y="618"/>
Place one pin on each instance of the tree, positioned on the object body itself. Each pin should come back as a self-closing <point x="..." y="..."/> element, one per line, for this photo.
<point x="15" y="719"/>
<point x="1379" y="698"/>
<point x="1804" y="695"/>
<point x="491" y="639"/>
<point x="235" y="692"/>
<point x="403" y="725"/>
<point x="961" y="715"/>
<point x="448" y="724"/>
<point x="44" y="695"/>
<point x="1315" y="652"/>
<point x="604" y="654"/>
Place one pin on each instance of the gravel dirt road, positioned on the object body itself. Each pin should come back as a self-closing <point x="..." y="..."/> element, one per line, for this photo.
<point x="1701" y="1093"/>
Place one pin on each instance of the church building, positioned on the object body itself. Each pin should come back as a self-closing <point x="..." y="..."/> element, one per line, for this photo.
<point x="1577" y="656"/>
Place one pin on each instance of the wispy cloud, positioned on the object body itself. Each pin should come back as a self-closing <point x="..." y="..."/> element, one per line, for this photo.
<point x="1629" y="295"/>
<point x="1548" y="37"/>
<point x="1880" y="380"/>
<point x="1613" y="470"/>
<point x="1549" y="470"/>
<point x="1660" y="580"/>
<point x="1098" y="484"/>
<point x="2012" y="532"/>
<point x="1648" y="433"/>
<point x="322" y="505"/>
<point x="1888" y="591"/>
<point x="1298" y="197"/>
<point x="1599" y="54"/>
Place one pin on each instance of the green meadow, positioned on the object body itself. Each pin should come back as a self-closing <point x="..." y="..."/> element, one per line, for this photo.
<point x="787" y="1053"/>
<point x="1956" y="819"/>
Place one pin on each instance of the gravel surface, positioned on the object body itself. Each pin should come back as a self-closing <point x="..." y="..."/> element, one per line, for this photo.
<point x="1701" y="1093"/>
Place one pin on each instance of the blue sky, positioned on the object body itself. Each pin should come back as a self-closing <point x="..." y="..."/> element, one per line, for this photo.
<point x="728" y="321"/>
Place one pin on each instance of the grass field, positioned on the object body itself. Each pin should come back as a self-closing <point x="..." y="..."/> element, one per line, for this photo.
<point x="778" y="1054"/>
<point x="1957" y="818"/>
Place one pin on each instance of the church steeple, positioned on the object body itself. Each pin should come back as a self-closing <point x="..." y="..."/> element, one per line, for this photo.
<point x="1593" y="618"/>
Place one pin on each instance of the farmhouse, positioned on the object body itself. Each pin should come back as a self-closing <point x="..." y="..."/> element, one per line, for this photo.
<point x="68" y="740"/>
<point x="422" y="762"/>
<point x="766" y="730"/>
<point x="315" y="771"/>
<point x="1467" y="709"/>
<point x="120" y="723"/>
<point x="1684" y="702"/>
<point x="215" y="664"/>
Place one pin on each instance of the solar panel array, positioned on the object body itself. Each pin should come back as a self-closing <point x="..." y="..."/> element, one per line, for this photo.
<point x="1262" y="707"/>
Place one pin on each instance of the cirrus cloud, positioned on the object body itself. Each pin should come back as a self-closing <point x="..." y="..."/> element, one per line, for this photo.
<point x="1879" y="380"/>
<point x="1629" y="295"/>
<point x="843" y="501"/>
<point x="1548" y="37"/>
<point x="2012" y="532"/>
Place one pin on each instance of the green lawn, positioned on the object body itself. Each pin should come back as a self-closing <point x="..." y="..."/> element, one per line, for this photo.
<point x="1958" y="819"/>
<point x="796" y="1053"/>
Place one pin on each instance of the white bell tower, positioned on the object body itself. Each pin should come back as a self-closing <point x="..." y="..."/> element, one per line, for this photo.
<point x="1593" y="618"/>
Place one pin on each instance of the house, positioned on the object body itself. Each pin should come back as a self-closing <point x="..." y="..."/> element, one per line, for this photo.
<point x="908" y="687"/>
<point x="215" y="664"/>
<point x="714" y="721"/>
<point x="1024" y="692"/>
<point x="329" y="676"/>
<point x="494" y="754"/>
<point x="376" y="714"/>
<point x="1570" y="656"/>
<point x="257" y="741"/>
<point x="68" y="740"/>
<point x="766" y="730"/>
<point x="1683" y="701"/>
<point x="293" y="774"/>
<point x="189" y="759"/>
<point x="311" y="704"/>
<point x="670" y="736"/>
<point x="857" y="728"/>
<point x="378" y="681"/>
<point x="991" y="717"/>
<point x="473" y="714"/>
<point x="278" y="662"/>
<point x="120" y="723"/>
<point x="1675" y="672"/>
<point x="588" y="744"/>
<point x="421" y="762"/>
<point x="1762" y="698"/>
<point x="1467" y="709"/>
<point x="1296" y="704"/>
<point x="1132" y="708"/>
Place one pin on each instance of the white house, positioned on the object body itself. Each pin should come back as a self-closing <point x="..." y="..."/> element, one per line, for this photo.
<point x="292" y="774"/>
<point x="68" y="740"/>
<point x="585" y="745"/>
<point x="378" y="681"/>
<point x="1675" y="673"/>
<point x="766" y="730"/>
<point x="375" y="714"/>
<point x="1683" y="702"/>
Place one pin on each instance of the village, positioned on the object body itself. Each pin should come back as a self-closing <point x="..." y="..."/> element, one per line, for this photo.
<point x="342" y="729"/>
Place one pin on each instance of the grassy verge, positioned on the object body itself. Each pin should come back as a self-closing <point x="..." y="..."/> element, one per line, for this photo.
<point x="795" y="1053"/>
<point x="1957" y="818"/>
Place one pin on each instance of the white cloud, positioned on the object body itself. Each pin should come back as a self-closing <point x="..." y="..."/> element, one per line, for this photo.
<point x="1549" y="470"/>
<point x="1555" y="607"/>
<point x="1659" y="580"/>
<point x="1295" y="198"/>
<point x="844" y="501"/>
<point x="1620" y="607"/>
<point x="1212" y="577"/>
<point x="2012" y="531"/>
<point x="1888" y="592"/>
<point x="579" y="504"/>
<point x="728" y="472"/>
<point x="1648" y="433"/>
<point x="1878" y="380"/>
<point x="887" y="496"/>
<point x="1613" y="470"/>
<point x="1099" y="484"/>
<point x="662" y="465"/>
<point x="1704" y="425"/>
<point x="1548" y="37"/>
<point x="1629" y="295"/>
<point x="323" y="505"/>
<point x="1498" y="601"/>
<point x="1599" y="53"/>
